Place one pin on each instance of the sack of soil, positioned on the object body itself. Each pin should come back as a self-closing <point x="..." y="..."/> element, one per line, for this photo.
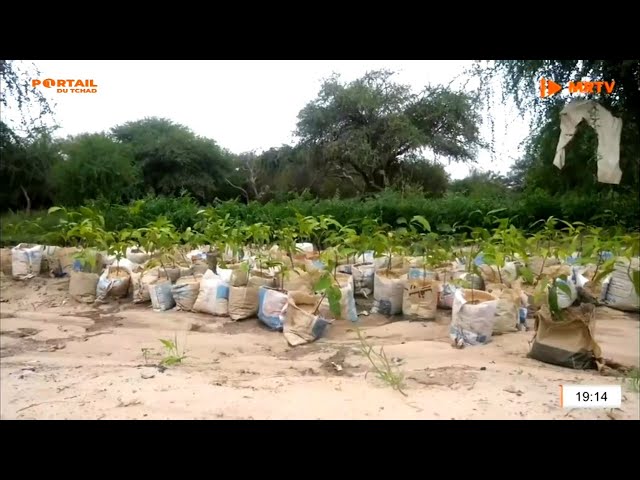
<point x="213" y="295"/>
<point x="271" y="303"/>
<point x="140" y="282"/>
<point x="114" y="282"/>
<point x="5" y="259"/>
<point x="161" y="297"/>
<point x="567" y="341"/>
<point x="472" y="317"/>
<point x="618" y="291"/>
<point x="507" y="308"/>
<point x="446" y="293"/>
<point x="363" y="276"/>
<point x="82" y="286"/>
<point x="388" y="291"/>
<point x="420" y="299"/>
<point x="185" y="292"/>
<point x="243" y="300"/>
<point x="26" y="261"/>
<point x="298" y="280"/>
<point x="347" y="301"/>
<point x="300" y="324"/>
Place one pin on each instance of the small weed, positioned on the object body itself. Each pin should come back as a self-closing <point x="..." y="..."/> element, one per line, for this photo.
<point x="383" y="367"/>
<point x="145" y="355"/>
<point x="173" y="355"/>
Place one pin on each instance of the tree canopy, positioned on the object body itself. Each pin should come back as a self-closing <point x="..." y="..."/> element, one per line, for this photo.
<point x="172" y="158"/>
<point x="365" y="127"/>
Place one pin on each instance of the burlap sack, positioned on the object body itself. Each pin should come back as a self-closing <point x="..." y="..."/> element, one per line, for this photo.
<point x="243" y="301"/>
<point x="82" y="286"/>
<point x="507" y="308"/>
<point x="298" y="279"/>
<point x="568" y="342"/>
<point x="5" y="258"/>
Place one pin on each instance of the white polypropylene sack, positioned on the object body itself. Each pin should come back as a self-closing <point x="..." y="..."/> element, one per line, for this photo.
<point x="387" y="294"/>
<point x="419" y="273"/>
<point x="304" y="247"/>
<point x="141" y="282"/>
<point x="271" y="304"/>
<point x="366" y="257"/>
<point x="123" y="263"/>
<point x="472" y="324"/>
<point x="363" y="275"/>
<point x="213" y="296"/>
<point x="26" y="261"/>
<point x="161" y="297"/>
<point x="137" y="255"/>
<point x="618" y="291"/>
<point x="506" y="275"/>
<point x="347" y="303"/>
<point x="185" y="292"/>
<point x="114" y="282"/>
<point x="445" y="295"/>
<point x="383" y="262"/>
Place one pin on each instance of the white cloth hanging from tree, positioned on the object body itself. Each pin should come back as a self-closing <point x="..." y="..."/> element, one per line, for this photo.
<point x="608" y="129"/>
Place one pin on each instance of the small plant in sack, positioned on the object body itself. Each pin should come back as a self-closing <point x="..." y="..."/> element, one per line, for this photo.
<point x="161" y="238"/>
<point x="388" y="285"/>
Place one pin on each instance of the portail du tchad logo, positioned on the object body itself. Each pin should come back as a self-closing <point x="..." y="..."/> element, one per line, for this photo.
<point x="67" y="85"/>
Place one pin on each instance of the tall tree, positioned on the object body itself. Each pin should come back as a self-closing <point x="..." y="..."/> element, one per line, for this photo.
<point x="94" y="166"/>
<point x="172" y="158"/>
<point x="362" y="129"/>
<point x="25" y="166"/>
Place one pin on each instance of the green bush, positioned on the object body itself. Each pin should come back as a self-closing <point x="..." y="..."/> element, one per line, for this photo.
<point x="604" y="210"/>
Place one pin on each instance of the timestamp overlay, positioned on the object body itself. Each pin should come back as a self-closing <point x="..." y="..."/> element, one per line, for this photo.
<point x="590" y="396"/>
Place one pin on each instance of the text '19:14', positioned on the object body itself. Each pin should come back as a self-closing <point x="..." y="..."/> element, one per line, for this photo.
<point x="590" y="396"/>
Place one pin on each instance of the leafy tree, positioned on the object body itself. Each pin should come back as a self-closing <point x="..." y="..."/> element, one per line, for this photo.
<point x="172" y="158"/>
<point x="24" y="168"/>
<point x="95" y="167"/>
<point x="429" y="176"/>
<point x="480" y="185"/>
<point x="362" y="129"/>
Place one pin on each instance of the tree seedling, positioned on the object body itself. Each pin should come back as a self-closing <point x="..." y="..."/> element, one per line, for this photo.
<point x="173" y="355"/>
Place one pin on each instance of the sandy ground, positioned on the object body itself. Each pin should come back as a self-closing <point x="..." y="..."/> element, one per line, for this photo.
<point x="65" y="360"/>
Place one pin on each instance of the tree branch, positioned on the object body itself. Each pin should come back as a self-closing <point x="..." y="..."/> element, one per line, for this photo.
<point x="239" y="188"/>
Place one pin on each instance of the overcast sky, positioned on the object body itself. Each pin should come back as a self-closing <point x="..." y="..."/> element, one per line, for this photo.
<point x="243" y="105"/>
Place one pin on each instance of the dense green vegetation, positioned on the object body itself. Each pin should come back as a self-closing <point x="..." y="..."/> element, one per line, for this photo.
<point x="365" y="149"/>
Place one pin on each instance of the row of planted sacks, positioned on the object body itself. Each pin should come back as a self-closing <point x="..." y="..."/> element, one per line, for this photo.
<point x="282" y="302"/>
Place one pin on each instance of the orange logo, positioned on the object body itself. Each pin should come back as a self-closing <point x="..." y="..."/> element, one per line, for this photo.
<point x="67" y="85"/>
<point x="549" y="88"/>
